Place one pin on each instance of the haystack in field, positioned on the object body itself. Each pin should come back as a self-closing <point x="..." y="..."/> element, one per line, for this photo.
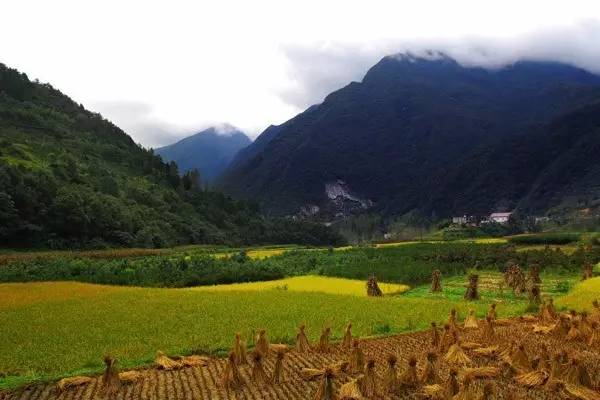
<point x="436" y="281"/>
<point x="430" y="376"/>
<point x="347" y="340"/>
<point x="373" y="289"/>
<point x="492" y="313"/>
<point x="434" y="392"/>
<point x="465" y="392"/>
<point x="262" y="343"/>
<point x="68" y="383"/>
<point x="534" y="296"/>
<point x="111" y="383"/>
<point x="520" y="358"/>
<point x="532" y="378"/>
<point x="515" y="279"/>
<point x="368" y="383"/>
<point x="130" y="376"/>
<point x="472" y="292"/>
<point x="325" y="390"/>
<point x="390" y="377"/>
<point x="471" y="321"/>
<point x="350" y="390"/>
<point x="447" y="340"/>
<point x="323" y="346"/>
<point x="453" y="320"/>
<point x="240" y="350"/>
<point x="357" y="357"/>
<point x="574" y="333"/>
<point x="231" y="379"/>
<point x="259" y="376"/>
<point x="277" y="376"/>
<point x="194" y="361"/>
<point x="594" y="338"/>
<point x="595" y="315"/>
<point x="302" y="345"/>
<point x="456" y="356"/>
<point x="409" y="378"/>
<point x="488" y="333"/>
<point x="452" y="385"/>
<point x="577" y="374"/>
<point x="163" y="362"/>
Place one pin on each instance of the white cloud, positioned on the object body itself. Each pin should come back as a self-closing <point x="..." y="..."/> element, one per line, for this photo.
<point x="190" y="64"/>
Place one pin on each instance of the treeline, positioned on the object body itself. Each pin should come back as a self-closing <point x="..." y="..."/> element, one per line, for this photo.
<point x="411" y="264"/>
<point x="71" y="179"/>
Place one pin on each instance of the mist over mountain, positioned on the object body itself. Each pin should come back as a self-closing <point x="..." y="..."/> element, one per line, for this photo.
<point x="429" y="135"/>
<point x="209" y="151"/>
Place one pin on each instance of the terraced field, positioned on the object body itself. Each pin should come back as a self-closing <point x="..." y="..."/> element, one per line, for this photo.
<point x="204" y="382"/>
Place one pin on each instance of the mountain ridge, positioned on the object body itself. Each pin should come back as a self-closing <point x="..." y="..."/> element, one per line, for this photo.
<point x="393" y="137"/>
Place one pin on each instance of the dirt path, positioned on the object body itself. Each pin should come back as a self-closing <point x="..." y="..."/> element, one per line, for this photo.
<point x="203" y="382"/>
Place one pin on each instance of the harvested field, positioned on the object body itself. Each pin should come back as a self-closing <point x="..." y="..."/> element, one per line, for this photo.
<point x="203" y="382"/>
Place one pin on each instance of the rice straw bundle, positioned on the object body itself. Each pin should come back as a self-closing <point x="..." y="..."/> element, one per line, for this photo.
<point x="532" y="378"/>
<point x="434" y="392"/>
<point x="470" y="345"/>
<point x="325" y="390"/>
<point x="341" y="366"/>
<point x="456" y="356"/>
<point x="409" y="378"/>
<point x="465" y="392"/>
<point x="472" y="292"/>
<point x="556" y="367"/>
<point x="279" y="347"/>
<point x="452" y="386"/>
<point x="390" y="377"/>
<point x="435" y="335"/>
<point x="520" y="358"/>
<point x="369" y="380"/>
<point x="563" y="326"/>
<point x="68" y="383"/>
<point x="350" y="390"/>
<point x="580" y="392"/>
<point x="430" y="375"/>
<point x="492" y="312"/>
<point x="471" y="321"/>
<point x="543" y="329"/>
<point x="231" y="379"/>
<point x="130" y="376"/>
<point x="357" y="358"/>
<point x="488" y="333"/>
<point x="544" y="355"/>
<point x="311" y="374"/>
<point x="262" y="343"/>
<point x="194" y="361"/>
<point x="574" y="333"/>
<point x="491" y="351"/>
<point x="259" y="377"/>
<point x="347" y="340"/>
<point x="302" y="345"/>
<point x="324" y="340"/>
<point x="240" y="350"/>
<point x="481" y="372"/>
<point x="503" y="321"/>
<point x="447" y="339"/>
<point x="110" y="379"/>
<point x="528" y="318"/>
<point x="163" y="362"/>
<point x="577" y="374"/>
<point x="278" y="370"/>
<point x="452" y="319"/>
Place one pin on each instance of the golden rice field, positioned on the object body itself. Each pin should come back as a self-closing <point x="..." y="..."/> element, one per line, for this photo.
<point x="480" y="369"/>
<point x="310" y="283"/>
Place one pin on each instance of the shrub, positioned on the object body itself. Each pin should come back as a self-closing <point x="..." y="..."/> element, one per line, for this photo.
<point x="546" y="238"/>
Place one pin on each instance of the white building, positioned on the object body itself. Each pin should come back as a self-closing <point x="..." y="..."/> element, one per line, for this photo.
<point x="459" y="220"/>
<point x="500" y="217"/>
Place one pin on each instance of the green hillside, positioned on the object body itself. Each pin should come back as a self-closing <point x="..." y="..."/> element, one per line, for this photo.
<point x="69" y="177"/>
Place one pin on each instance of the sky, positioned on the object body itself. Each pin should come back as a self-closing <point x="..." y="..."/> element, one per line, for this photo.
<point x="162" y="70"/>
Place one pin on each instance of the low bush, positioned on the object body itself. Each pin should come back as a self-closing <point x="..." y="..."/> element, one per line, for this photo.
<point x="546" y="238"/>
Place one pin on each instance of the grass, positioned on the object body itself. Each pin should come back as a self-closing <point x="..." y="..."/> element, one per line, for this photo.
<point x="581" y="296"/>
<point x="309" y="283"/>
<point x="65" y="328"/>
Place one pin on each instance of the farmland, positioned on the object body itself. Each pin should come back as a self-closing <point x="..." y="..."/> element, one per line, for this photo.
<point x="65" y="326"/>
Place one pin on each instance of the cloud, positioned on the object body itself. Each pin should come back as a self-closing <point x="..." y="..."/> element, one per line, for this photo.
<point x="137" y="119"/>
<point x="317" y="69"/>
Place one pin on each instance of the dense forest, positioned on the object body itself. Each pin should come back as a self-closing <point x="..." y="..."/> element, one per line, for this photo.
<point x="70" y="178"/>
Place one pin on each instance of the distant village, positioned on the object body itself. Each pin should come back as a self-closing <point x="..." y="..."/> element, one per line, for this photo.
<point x="502" y="218"/>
